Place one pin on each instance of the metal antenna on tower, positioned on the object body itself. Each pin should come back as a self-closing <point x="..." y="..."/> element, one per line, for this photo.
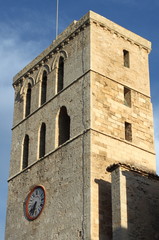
<point x="57" y="17"/>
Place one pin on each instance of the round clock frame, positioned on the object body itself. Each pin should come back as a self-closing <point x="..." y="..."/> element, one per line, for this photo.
<point x="35" y="202"/>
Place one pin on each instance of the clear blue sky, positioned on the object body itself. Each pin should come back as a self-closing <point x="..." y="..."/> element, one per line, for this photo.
<point x="28" y="26"/>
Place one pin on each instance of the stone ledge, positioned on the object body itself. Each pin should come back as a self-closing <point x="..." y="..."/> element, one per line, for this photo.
<point x="142" y="171"/>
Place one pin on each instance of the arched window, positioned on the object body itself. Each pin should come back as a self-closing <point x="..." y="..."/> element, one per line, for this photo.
<point x="25" y="152"/>
<point x="28" y="100"/>
<point x="42" y="140"/>
<point x="44" y="88"/>
<point x="60" y="74"/>
<point x="64" y="125"/>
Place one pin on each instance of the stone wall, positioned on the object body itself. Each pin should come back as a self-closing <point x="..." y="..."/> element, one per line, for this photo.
<point x="64" y="171"/>
<point x="107" y="45"/>
<point x="66" y="213"/>
<point x="135" y="200"/>
<point x="109" y="112"/>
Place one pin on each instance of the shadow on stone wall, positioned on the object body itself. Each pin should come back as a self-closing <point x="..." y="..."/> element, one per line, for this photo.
<point x="105" y="210"/>
<point x="121" y="234"/>
<point x="142" y="206"/>
<point x="18" y="97"/>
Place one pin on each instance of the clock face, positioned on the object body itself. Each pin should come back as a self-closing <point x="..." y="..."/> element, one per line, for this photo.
<point x="35" y="203"/>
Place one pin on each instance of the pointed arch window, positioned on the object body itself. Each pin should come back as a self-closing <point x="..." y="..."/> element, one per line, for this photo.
<point x="28" y="101"/>
<point x="44" y="88"/>
<point x="64" y="125"/>
<point x="60" y="74"/>
<point x="42" y="140"/>
<point x="25" y="152"/>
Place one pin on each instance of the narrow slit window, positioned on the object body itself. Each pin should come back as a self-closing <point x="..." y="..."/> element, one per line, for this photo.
<point x="42" y="140"/>
<point x="128" y="131"/>
<point x="60" y="74"/>
<point x="44" y="88"/>
<point x="28" y="101"/>
<point x="127" y="96"/>
<point x="64" y="126"/>
<point x="25" y="152"/>
<point x="126" y="58"/>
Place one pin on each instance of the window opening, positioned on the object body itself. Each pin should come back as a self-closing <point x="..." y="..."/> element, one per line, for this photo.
<point x="44" y="88"/>
<point x="126" y="58"/>
<point x="64" y="125"/>
<point x="60" y="74"/>
<point x="127" y="97"/>
<point x="42" y="140"/>
<point x="25" y="152"/>
<point x="28" y="100"/>
<point x="128" y="131"/>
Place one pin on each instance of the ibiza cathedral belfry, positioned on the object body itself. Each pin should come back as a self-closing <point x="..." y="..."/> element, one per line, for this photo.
<point x="82" y="159"/>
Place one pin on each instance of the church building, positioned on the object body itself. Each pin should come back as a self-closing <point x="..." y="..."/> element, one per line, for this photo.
<point x="82" y="160"/>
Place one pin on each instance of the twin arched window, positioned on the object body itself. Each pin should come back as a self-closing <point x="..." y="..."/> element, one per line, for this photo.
<point x="60" y="85"/>
<point x="42" y="140"/>
<point x="63" y="136"/>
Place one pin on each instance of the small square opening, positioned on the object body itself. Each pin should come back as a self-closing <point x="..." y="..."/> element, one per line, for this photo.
<point x="127" y="96"/>
<point x="128" y="131"/>
<point x="126" y="58"/>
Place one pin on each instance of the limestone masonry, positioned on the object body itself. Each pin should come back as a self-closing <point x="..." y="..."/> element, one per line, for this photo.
<point x="82" y="105"/>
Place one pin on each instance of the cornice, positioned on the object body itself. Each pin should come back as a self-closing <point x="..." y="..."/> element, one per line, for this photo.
<point x="55" y="48"/>
<point x="120" y="35"/>
<point x="143" y="171"/>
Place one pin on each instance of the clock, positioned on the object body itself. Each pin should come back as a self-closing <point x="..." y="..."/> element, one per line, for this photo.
<point x="35" y="203"/>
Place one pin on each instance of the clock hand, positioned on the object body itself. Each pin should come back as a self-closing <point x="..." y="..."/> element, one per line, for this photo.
<point x="33" y="208"/>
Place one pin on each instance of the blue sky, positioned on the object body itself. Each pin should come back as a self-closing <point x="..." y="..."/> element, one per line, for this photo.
<point x="27" y="27"/>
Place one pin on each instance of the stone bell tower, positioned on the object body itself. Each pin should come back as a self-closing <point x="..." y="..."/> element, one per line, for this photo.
<point x="81" y="105"/>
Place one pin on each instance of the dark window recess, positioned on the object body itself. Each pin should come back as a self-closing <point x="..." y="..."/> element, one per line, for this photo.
<point x="128" y="131"/>
<point x="127" y="97"/>
<point x="44" y="88"/>
<point x="60" y="74"/>
<point x="64" y="126"/>
<point x="42" y="140"/>
<point x="126" y="58"/>
<point x="28" y="101"/>
<point x="25" y="152"/>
